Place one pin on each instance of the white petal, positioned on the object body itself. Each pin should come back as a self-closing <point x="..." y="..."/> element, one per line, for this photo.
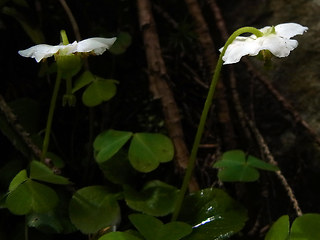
<point x="288" y="30"/>
<point x="39" y="51"/>
<point x="97" y="45"/>
<point x="280" y="47"/>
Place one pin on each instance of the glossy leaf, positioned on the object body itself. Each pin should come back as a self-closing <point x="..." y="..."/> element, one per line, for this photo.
<point x="306" y="227"/>
<point x="156" y="198"/>
<point x="31" y="196"/>
<point x="213" y="214"/>
<point x="85" y="78"/>
<point x="148" y="150"/>
<point x="98" y="91"/>
<point x="236" y="166"/>
<point x="108" y="143"/>
<point x="118" y="236"/>
<point x="41" y="172"/>
<point x="93" y="208"/>
<point x="279" y="230"/>
<point x="153" y="229"/>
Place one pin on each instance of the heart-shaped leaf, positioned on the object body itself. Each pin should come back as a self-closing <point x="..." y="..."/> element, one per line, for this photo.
<point x="85" y="78"/>
<point x="306" y="227"/>
<point x="98" y="91"/>
<point x="279" y="230"/>
<point x="153" y="229"/>
<point x="156" y="198"/>
<point x="119" y="236"/>
<point x="236" y="166"/>
<point x="148" y="150"/>
<point x="41" y="172"/>
<point x="30" y="196"/>
<point x="213" y="214"/>
<point x="93" y="208"/>
<point x="108" y="143"/>
<point x="18" y="179"/>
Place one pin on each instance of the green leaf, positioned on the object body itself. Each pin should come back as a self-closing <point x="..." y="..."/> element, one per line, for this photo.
<point x="41" y="172"/>
<point x="213" y="214"/>
<point x="18" y="179"/>
<point x="85" y="78"/>
<point x="121" y="44"/>
<point x="93" y="208"/>
<point x="153" y="229"/>
<point x="118" y="236"/>
<point x="156" y="198"/>
<point x="118" y="168"/>
<point x="98" y="91"/>
<point x="279" y="230"/>
<point x="236" y="166"/>
<point x="108" y="143"/>
<point x="306" y="227"/>
<point x="148" y="150"/>
<point x="31" y="196"/>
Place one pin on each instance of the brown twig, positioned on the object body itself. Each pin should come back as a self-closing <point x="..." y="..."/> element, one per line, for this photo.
<point x="207" y="44"/>
<point x="12" y="120"/>
<point x="159" y="87"/>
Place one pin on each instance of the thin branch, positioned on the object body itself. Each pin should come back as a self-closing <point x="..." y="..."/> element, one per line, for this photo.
<point x="12" y="120"/>
<point x="159" y="87"/>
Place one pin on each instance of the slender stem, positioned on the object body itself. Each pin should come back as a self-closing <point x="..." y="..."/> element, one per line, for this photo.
<point x="203" y="118"/>
<point x="50" y="116"/>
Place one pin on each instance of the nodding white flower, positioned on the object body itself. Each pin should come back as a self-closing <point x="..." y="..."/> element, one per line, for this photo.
<point x="275" y="39"/>
<point x="91" y="45"/>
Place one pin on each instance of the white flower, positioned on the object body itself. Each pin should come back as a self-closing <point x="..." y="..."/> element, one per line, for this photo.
<point x="95" y="45"/>
<point x="275" y="39"/>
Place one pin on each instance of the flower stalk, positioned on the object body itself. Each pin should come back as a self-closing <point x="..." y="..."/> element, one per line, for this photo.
<point x="206" y="108"/>
<point x="50" y="116"/>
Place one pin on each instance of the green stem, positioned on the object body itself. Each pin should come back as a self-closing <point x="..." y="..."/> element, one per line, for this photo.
<point x="203" y="118"/>
<point x="50" y="116"/>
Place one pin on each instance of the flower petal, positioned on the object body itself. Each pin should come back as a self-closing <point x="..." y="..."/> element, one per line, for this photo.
<point x="40" y="51"/>
<point x="97" y="45"/>
<point x="279" y="47"/>
<point x="289" y="30"/>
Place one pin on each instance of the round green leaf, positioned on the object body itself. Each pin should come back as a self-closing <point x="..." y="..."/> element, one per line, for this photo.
<point x="31" y="196"/>
<point x="108" y="143"/>
<point x="46" y="222"/>
<point x="98" y="91"/>
<point x="213" y="214"/>
<point x="156" y="198"/>
<point x="84" y="79"/>
<point x="306" y="227"/>
<point x="93" y="208"/>
<point x="118" y="236"/>
<point x="279" y="230"/>
<point x="148" y="150"/>
<point x="41" y="172"/>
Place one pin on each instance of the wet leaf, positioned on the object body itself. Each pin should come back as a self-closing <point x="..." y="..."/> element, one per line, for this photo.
<point x="213" y="214"/>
